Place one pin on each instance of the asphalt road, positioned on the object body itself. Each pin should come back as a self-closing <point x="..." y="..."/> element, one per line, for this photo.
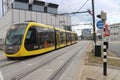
<point x="16" y="70"/>
<point x="114" y="47"/>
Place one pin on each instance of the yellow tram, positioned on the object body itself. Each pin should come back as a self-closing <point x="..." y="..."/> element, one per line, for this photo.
<point x="31" y="38"/>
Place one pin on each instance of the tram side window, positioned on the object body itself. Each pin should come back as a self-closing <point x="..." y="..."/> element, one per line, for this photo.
<point x="76" y="38"/>
<point x="52" y="37"/>
<point x="31" y="36"/>
<point x="31" y="42"/>
<point x="62" y="35"/>
<point x="73" y="37"/>
<point x="46" y="37"/>
<point x="67" y="37"/>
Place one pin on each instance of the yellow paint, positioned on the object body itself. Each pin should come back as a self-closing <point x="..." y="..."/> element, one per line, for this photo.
<point x="23" y="52"/>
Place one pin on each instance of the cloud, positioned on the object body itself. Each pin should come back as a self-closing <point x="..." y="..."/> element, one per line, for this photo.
<point x="68" y="5"/>
<point x="111" y="7"/>
<point x="113" y="17"/>
<point x="106" y="4"/>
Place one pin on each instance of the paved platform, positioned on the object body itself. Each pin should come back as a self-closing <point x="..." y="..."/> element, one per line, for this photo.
<point x="93" y="71"/>
<point x="96" y="73"/>
<point x="86" y="72"/>
<point x="2" y="55"/>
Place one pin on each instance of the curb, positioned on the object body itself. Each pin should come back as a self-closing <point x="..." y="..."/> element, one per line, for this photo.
<point x="84" y="59"/>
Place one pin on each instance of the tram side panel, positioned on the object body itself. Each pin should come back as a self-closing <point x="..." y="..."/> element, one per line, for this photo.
<point x="73" y="36"/>
<point x="68" y="36"/>
<point x="60" y="38"/>
<point x="45" y="40"/>
<point x="39" y="38"/>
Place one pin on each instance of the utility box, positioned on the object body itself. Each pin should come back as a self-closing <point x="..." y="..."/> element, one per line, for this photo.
<point x="17" y="4"/>
<point x="98" y="51"/>
<point x="38" y="6"/>
<point x="51" y="8"/>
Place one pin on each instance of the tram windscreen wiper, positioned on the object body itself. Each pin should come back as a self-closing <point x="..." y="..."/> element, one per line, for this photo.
<point x="18" y="40"/>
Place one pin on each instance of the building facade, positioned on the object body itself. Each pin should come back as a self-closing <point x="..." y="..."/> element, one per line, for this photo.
<point x="86" y="34"/>
<point x="114" y="32"/>
<point x="22" y="10"/>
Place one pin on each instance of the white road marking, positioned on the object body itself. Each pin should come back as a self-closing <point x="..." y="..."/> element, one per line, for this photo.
<point x="22" y="62"/>
<point x="49" y="70"/>
<point x="1" y="77"/>
<point x="30" y="64"/>
<point x="104" y="60"/>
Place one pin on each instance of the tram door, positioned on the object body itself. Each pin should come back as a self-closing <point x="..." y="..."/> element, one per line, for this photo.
<point x="58" y="39"/>
<point x="31" y="42"/>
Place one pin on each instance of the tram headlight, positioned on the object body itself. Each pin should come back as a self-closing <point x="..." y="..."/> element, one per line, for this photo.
<point x="12" y="49"/>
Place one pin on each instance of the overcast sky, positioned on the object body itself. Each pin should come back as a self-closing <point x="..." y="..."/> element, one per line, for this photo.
<point x="111" y="7"/>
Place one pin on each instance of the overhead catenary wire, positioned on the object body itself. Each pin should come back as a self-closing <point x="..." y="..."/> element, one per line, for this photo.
<point x="74" y="14"/>
<point x="64" y="9"/>
<point x="82" y="6"/>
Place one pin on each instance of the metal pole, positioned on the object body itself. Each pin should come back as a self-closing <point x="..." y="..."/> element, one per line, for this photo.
<point x="2" y="9"/>
<point x="93" y="21"/>
<point x="105" y="44"/>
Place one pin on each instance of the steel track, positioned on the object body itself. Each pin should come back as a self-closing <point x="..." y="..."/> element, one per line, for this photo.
<point x="56" y="75"/>
<point x="22" y="75"/>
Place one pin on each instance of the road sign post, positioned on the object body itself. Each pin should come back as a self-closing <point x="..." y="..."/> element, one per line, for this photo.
<point x="105" y="44"/>
<point x="103" y="17"/>
<point x="106" y="31"/>
<point x="100" y="24"/>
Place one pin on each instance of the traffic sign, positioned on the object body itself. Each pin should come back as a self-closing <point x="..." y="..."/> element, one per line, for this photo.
<point x="99" y="31"/>
<point x="100" y="25"/>
<point x="106" y="30"/>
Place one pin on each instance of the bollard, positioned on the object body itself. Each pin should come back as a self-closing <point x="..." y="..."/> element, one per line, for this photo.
<point x="105" y="44"/>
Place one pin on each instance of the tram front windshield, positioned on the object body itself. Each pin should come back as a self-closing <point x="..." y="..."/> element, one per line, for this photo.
<point x="15" y="34"/>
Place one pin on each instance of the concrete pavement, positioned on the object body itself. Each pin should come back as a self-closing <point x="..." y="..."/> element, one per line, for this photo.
<point x="89" y="71"/>
<point x="2" y="55"/>
<point x="95" y="71"/>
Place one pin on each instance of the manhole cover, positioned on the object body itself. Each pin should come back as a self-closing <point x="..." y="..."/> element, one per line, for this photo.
<point x="89" y="79"/>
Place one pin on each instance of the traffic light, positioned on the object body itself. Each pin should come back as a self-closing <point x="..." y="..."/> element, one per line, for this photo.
<point x="103" y="15"/>
<point x="99" y="16"/>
